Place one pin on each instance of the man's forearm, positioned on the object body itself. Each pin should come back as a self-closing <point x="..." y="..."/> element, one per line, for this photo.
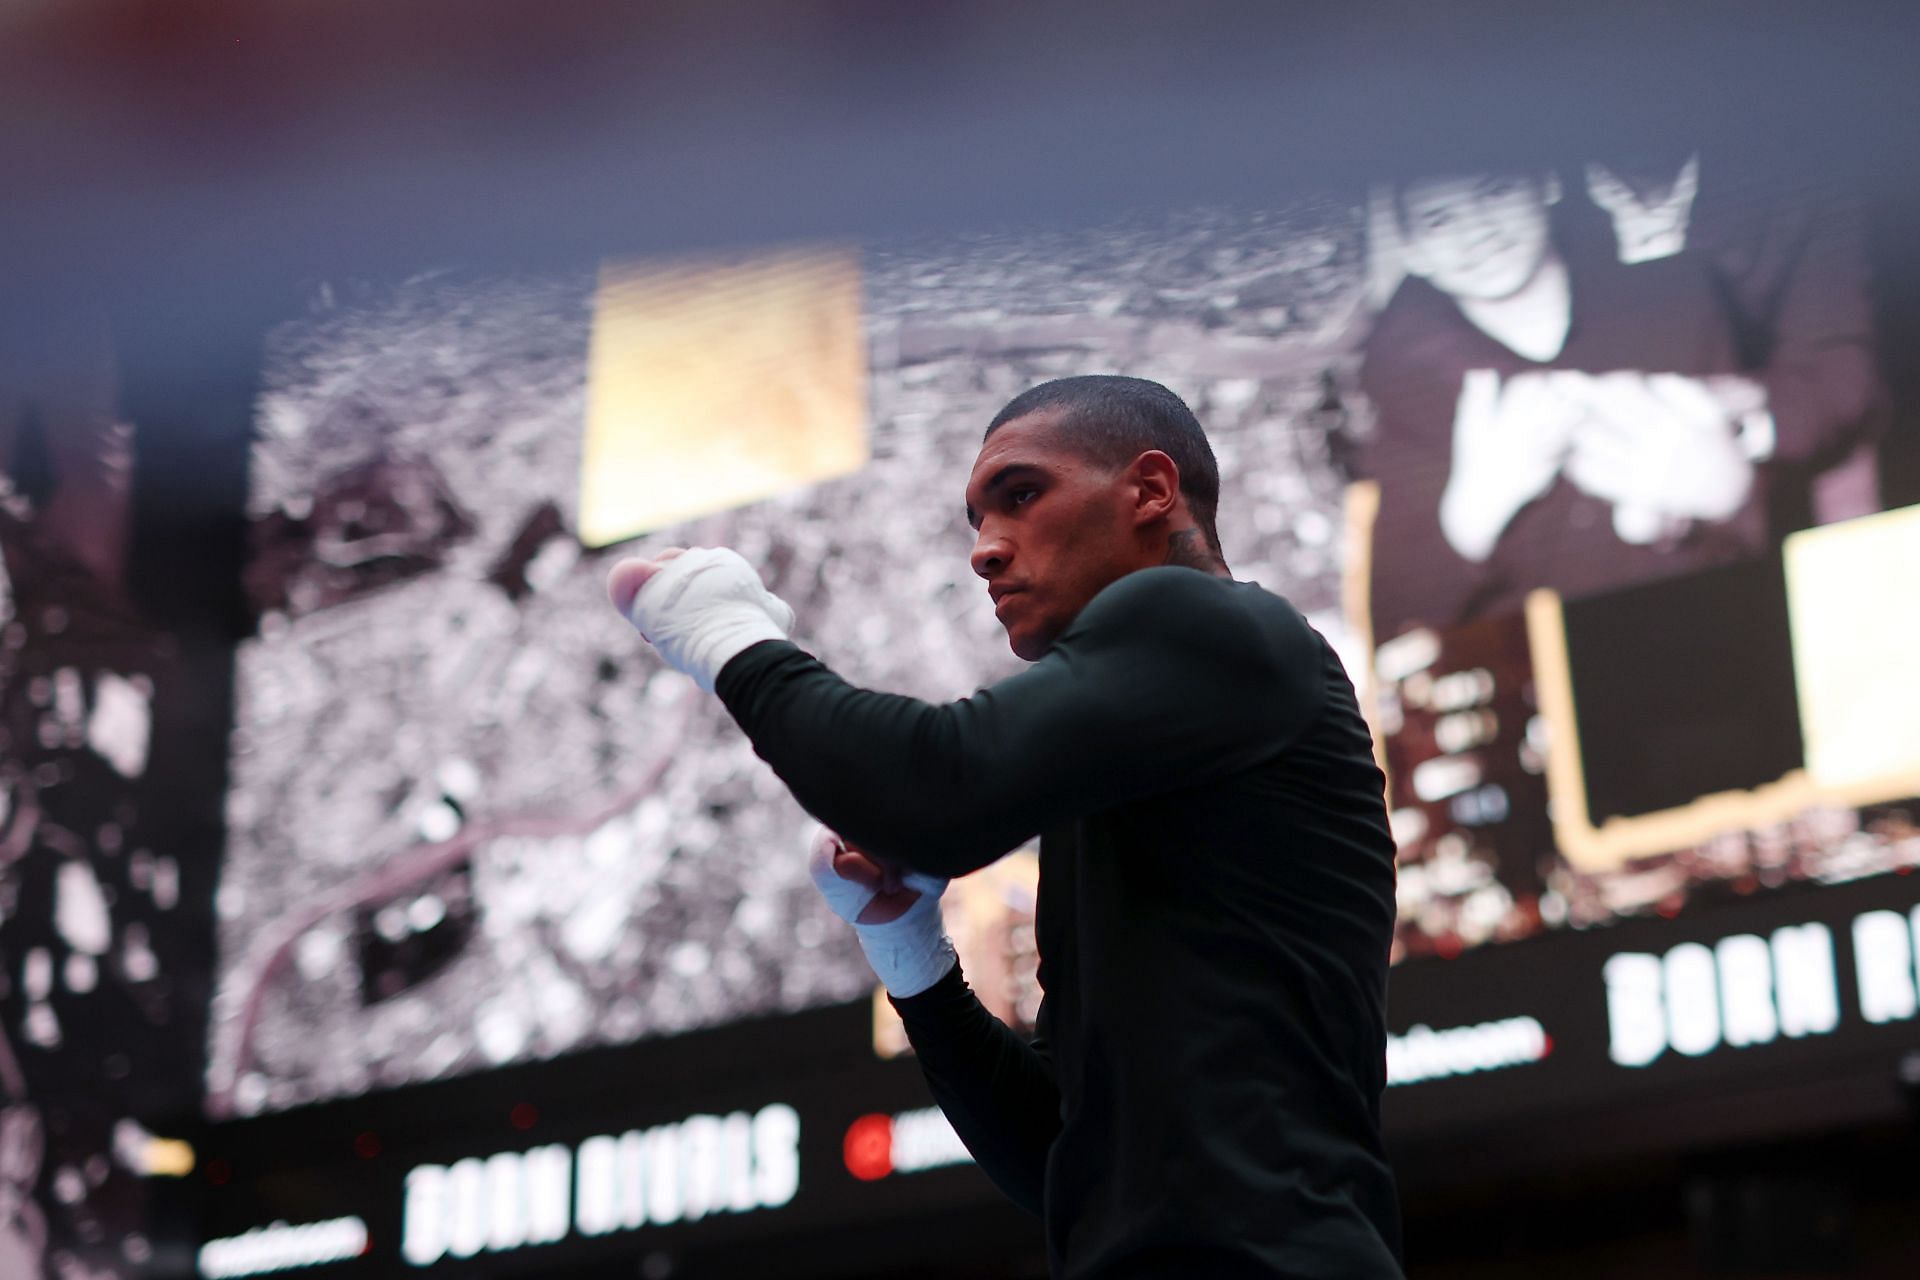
<point x="996" y="1089"/>
<point x="892" y="774"/>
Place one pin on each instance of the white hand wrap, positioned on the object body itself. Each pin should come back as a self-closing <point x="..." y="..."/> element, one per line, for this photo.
<point x="909" y="954"/>
<point x="703" y="607"/>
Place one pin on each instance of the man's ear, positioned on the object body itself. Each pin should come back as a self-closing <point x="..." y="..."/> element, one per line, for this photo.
<point x="1156" y="485"/>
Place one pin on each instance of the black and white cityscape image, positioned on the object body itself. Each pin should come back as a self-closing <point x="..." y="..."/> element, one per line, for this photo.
<point x="472" y="821"/>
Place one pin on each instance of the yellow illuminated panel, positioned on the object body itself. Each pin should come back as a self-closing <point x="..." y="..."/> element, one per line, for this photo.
<point x="719" y="382"/>
<point x="168" y="1158"/>
<point x="1361" y="510"/>
<point x="1855" y="614"/>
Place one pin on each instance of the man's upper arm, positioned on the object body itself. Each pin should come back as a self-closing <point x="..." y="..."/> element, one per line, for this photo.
<point x="1168" y="678"/>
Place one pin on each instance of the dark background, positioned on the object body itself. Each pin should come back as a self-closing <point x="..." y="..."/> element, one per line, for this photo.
<point x="1685" y="689"/>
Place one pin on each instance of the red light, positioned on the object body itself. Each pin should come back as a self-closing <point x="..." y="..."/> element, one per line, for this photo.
<point x="1546" y="1045"/>
<point x="366" y="1145"/>
<point x="524" y="1115"/>
<point x="869" y="1147"/>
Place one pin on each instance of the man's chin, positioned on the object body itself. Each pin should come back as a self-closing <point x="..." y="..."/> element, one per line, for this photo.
<point x="1027" y="646"/>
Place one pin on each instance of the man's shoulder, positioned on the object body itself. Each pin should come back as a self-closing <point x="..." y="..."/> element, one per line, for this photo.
<point x="1192" y="607"/>
<point x="1154" y="590"/>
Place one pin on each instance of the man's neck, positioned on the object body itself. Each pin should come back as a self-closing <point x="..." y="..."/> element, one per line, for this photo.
<point x="1189" y="547"/>
<point x="1534" y="320"/>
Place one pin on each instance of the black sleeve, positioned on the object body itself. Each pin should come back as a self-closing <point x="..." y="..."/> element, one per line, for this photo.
<point x="996" y="1089"/>
<point x="1166" y="679"/>
<point x="1822" y="371"/>
<point x="1795" y="268"/>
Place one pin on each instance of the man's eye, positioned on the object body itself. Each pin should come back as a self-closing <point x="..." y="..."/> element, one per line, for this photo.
<point x="1018" y="497"/>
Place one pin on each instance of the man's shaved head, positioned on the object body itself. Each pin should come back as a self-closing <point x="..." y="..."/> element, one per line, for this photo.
<point x="1112" y="420"/>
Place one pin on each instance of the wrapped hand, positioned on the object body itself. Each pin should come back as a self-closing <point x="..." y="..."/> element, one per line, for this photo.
<point x="895" y="914"/>
<point x="699" y="608"/>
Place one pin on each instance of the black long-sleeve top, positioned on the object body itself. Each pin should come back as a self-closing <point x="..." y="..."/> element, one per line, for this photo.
<point x="1215" y="910"/>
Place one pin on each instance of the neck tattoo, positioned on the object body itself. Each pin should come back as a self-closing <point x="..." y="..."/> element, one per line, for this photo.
<point x="1187" y="547"/>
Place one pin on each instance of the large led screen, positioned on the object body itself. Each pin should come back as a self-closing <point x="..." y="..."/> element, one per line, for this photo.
<point x="1561" y="462"/>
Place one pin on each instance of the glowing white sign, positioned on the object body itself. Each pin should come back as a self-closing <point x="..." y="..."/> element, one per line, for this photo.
<point x="279" y="1247"/>
<point x="1744" y="990"/>
<point x="683" y="1172"/>
<point x="669" y="1173"/>
<point x="906" y="1142"/>
<point x="925" y="1139"/>
<point x="1426" y="1054"/>
<point x="1886" y="946"/>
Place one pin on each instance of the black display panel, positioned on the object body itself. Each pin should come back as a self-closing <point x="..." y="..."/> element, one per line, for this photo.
<point x="1780" y="1015"/>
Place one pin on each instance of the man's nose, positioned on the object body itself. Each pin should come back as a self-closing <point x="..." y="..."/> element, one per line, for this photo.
<point x="990" y="554"/>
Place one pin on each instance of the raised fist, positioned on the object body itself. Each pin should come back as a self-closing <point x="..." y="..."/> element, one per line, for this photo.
<point x="698" y="607"/>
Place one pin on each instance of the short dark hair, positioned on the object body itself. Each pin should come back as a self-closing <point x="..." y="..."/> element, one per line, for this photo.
<point x="1113" y="420"/>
